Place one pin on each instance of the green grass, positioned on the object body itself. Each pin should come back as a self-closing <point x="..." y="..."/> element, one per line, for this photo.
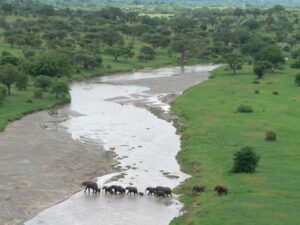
<point x="17" y="105"/>
<point x="212" y="131"/>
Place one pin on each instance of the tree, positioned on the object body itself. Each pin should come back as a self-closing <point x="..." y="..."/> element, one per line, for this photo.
<point x="60" y="89"/>
<point x="7" y="7"/>
<point x="146" y="53"/>
<point x="234" y="60"/>
<point x="43" y="82"/>
<point x="22" y="82"/>
<point x="158" y="40"/>
<point x="111" y="37"/>
<point x="3" y="91"/>
<point x="297" y="79"/>
<point x="181" y="44"/>
<point x="52" y="64"/>
<point x="245" y="160"/>
<point x="261" y="67"/>
<point x="271" y="54"/>
<point x="239" y="12"/>
<point x="116" y="51"/>
<point x="8" y="75"/>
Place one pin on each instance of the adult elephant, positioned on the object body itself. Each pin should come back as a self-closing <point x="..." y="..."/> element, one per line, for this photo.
<point x="160" y="193"/>
<point x="198" y="188"/>
<point x="167" y="190"/>
<point x="108" y="189"/>
<point x="132" y="190"/>
<point x="151" y="190"/>
<point x="118" y="189"/>
<point x="221" y="189"/>
<point x="90" y="185"/>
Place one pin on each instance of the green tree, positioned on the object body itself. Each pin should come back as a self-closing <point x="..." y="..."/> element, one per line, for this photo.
<point x="8" y="76"/>
<point x="60" y="89"/>
<point x="181" y="44"/>
<point x="297" y="79"/>
<point x="245" y="160"/>
<point x="43" y="82"/>
<point x="146" y="53"/>
<point x="22" y="81"/>
<point x="51" y="64"/>
<point x="261" y="67"/>
<point x="116" y="51"/>
<point x="271" y="54"/>
<point x="234" y="60"/>
<point x="3" y="92"/>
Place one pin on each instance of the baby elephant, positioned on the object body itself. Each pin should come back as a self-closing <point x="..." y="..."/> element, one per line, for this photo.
<point x="221" y="190"/>
<point x="90" y="185"/>
<point x="108" y="190"/>
<point x="97" y="191"/>
<point x="198" y="188"/>
<point x="141" y="194"/>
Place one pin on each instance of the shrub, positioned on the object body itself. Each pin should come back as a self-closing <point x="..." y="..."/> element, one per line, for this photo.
<point x="29" y="101"/>
<point x="245" y="160"/>
<point x="60" y="88"/>
<point x="22" y="82"/>
<point x="108" y="66"/>
<point x="256" y="91"/>
<point x="256" y="82"/>
<point x="244" y="109"/>
<point x="271" y="136"/>
<point x="296" y="64"/>
<point x="275" y="93"/>
<point x="3" y="92"/>
<point x="43" y="82"/>
<point x="297" y="79"/>
<point x="38" y="93"/>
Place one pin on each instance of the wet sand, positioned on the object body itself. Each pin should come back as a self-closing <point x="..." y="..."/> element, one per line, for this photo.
<point x="44" y="162"/>
<point x="39" y="167"/>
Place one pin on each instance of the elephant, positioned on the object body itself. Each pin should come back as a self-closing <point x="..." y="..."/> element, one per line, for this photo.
<point x="108" y="190"/>
<point x="132" y="190"/>
<point x="167" y="190"/>
<point x="141" y="194"/>
<point x="118" y="189"/>
<point x="90" y="185"/>
<point x="198" y="188"/>
<point x="160" y="193"/>
<point x="221" y="189"/>
<point x="150" y="190"/>
<point x="97" y="191"/>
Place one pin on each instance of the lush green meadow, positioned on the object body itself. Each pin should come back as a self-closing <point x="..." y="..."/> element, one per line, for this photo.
<point x="212" y="131"/>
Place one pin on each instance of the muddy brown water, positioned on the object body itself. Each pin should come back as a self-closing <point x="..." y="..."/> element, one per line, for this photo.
<point x="128" y="116"/>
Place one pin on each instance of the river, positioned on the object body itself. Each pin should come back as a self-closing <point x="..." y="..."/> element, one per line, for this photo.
<point x="127" y="114"/>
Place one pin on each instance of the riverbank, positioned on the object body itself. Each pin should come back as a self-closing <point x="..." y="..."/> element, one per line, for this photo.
<point x="22" y="102"/>
<point x="212" y="131"/>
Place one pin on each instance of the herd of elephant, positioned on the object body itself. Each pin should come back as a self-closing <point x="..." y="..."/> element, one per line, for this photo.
<point x="116" y="189"/>
<point x="221" y="189"/>
<point x="158" y="191"/>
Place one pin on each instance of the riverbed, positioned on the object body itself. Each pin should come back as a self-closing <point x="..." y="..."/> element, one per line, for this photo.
<point x="127" y="119"/>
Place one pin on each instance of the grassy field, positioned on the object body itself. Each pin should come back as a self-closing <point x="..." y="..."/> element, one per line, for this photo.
<point x="212" y="131"/>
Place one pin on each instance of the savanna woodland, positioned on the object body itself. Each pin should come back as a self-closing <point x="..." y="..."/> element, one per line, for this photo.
<point x="239" y="128"/>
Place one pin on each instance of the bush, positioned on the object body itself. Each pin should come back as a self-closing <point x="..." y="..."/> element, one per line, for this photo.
<point x="22" y="82"/>
<point x="29" y="101"/>
<point x="256" y="82"/>
<point x="271" y="136"/>
<point x="60" y="88"/>
<point x="256" y="91"/>
<point x="43" y="82"/>
<point x="296" y="64"/>
<point x="3" y="92"/>
<point x="297" y="79"/>
<point x="244" y="109"/>
<point x="38" y="93"/>
<point x="245" y="160"/>
<point x="275" y="93"/>
<point x="108" y="66"/>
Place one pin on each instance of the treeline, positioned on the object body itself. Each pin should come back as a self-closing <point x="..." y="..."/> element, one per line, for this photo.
<point x="60" y="42"/>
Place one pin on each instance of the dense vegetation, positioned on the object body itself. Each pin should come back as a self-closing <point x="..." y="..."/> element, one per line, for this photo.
<point x="213" y="131"/>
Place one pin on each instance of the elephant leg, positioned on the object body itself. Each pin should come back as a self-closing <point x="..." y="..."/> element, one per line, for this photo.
<point x="85" y="189"/>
